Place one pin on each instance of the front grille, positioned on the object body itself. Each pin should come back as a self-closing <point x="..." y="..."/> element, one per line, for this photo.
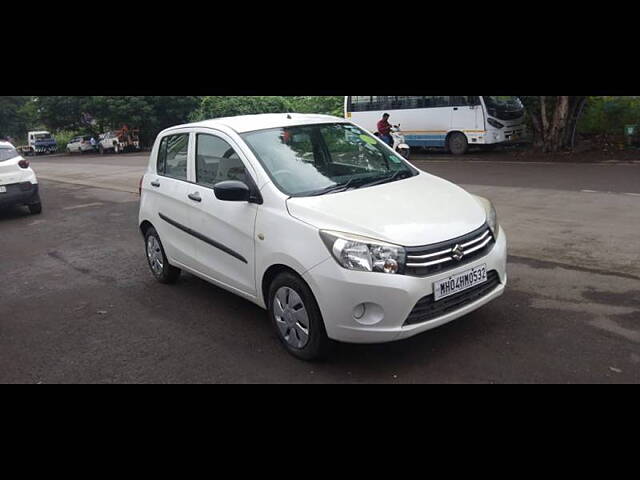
<point x="428" y="309"/>
<point x="439" y="257"/>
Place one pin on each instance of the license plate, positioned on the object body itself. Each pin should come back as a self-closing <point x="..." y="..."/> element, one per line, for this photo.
<point x="460" y="282"/>
<point x="3" y="189"/>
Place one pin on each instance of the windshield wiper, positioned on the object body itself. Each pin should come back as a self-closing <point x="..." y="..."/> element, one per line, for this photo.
<point x="388" y="179"/>
<point x="341" y="187"/>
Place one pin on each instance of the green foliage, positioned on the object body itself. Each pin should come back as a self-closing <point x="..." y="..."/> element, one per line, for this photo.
<point x="63" y="137"/>
<point x="609" y="115"/>
<point x="17" y="115"/>
<point x="329" y="105"/>
<point x="97" y="114"/>
<point x="226" y="106"/>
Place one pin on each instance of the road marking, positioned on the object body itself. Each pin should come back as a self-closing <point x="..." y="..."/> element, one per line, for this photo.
<point x="612" y="193"/>
<point x="86" y="205"/>
<point x="613" y="163"/>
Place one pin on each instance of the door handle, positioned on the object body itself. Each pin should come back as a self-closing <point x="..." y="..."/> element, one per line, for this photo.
<point x="455" y="108"/>
<point x="195" y="197"/>
<point x="155" y="184"/>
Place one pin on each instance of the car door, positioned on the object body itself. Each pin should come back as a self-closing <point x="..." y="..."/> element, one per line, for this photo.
<point x="226" y="250"/>
<point x="170" y="188"/>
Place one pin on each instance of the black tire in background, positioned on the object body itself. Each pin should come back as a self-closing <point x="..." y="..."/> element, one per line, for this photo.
<point x="318" y="343"/>
<point x="35" y="208"/>
<point x="458" y="143"/>
<point x="167" y="274"/>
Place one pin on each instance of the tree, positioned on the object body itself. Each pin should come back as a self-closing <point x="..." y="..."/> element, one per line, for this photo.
<point x="329" y="105"/>
<point x="16" y="116"/>
<point x="97" y="114"/>
<point x="227" y="106"/>
<point x="554" y="120"/>
<point x="62" y="112"/>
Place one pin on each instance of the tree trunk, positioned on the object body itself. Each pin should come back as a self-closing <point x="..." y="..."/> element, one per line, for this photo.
<point x="553" y="120"/>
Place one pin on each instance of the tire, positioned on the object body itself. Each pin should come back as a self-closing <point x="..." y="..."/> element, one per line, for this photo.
<point x="157" y="259"/>
<point x="458" y="143"/>
<point x="288" y="295"/>
<point x="35" y="208"/>
<point x="405" y="153"/>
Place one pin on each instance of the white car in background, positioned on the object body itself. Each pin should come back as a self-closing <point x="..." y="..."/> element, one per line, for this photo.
<point x="81" y="145"/>
<point x="18" y="182"/>
<point x="322" y="224"/>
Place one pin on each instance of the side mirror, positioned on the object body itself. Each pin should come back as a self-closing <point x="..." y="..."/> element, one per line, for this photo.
<point x="232" y="191"/>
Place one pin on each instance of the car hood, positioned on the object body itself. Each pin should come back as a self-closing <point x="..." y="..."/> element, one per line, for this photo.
<point x="413" y="212"/>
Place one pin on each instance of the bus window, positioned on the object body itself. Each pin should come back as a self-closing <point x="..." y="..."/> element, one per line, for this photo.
<point x="360" y="104"/>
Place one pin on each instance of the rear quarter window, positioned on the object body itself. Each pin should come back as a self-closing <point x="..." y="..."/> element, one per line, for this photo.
<point x="173" y="156"/>
<point x="8" y="154"/>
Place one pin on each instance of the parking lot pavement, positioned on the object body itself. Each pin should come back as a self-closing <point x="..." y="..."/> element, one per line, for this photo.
<point x="79" y="305"/>
<point x="115" y="172"/>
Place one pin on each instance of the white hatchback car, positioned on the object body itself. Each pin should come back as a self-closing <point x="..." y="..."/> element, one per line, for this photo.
<point x="320" y="223"/>
<point x="18" y="182"/>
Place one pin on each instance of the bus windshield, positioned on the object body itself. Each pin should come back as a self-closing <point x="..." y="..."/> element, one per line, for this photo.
<point x="320" y="159"/>
<point x="504" y="107"/>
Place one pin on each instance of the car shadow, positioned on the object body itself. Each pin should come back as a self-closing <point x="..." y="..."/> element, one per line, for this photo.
<point x="13" y="213"/>
<point x="447" y="345"/>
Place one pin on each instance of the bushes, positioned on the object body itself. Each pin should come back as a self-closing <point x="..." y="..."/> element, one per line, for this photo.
<point x="224" y="106"/>
<point x="609" y="115"/>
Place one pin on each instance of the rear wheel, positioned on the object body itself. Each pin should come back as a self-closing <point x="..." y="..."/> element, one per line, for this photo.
<point x="296" y="318"/>
<point x="458" y="144"/>
<point x="35" y="208"/>
<point x="157" y="259"/>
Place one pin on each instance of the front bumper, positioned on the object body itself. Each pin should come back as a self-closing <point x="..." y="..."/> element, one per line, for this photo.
<point x="25" y="193"/>
<point x="390" y="299"/>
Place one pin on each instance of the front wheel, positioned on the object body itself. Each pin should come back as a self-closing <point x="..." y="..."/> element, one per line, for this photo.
<point x="157" y="259"/>
<point x="296" y="318"/>
<point x="458" y="144"/>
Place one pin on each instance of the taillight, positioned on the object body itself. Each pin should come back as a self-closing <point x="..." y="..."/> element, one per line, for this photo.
<point x="140" y="187"/>
<point x="23" y="163"/>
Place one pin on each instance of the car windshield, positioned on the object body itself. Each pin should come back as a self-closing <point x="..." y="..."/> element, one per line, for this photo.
<point x="320" y="159"/>
<point x="8" y="154"/>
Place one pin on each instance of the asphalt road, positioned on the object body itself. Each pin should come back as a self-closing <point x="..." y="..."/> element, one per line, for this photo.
<point x="79" y="305"/>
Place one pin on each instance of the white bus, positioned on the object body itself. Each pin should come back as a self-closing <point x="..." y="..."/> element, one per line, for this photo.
<point x="453" y="123"/>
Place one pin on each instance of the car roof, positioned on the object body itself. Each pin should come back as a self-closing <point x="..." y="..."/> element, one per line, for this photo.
<point x="250" y="123"/>
<point x="4" y="144"/>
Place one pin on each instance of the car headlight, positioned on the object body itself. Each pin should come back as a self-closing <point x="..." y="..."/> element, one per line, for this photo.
<point x="354" y="252"/>
<point x="492" y="215"/>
